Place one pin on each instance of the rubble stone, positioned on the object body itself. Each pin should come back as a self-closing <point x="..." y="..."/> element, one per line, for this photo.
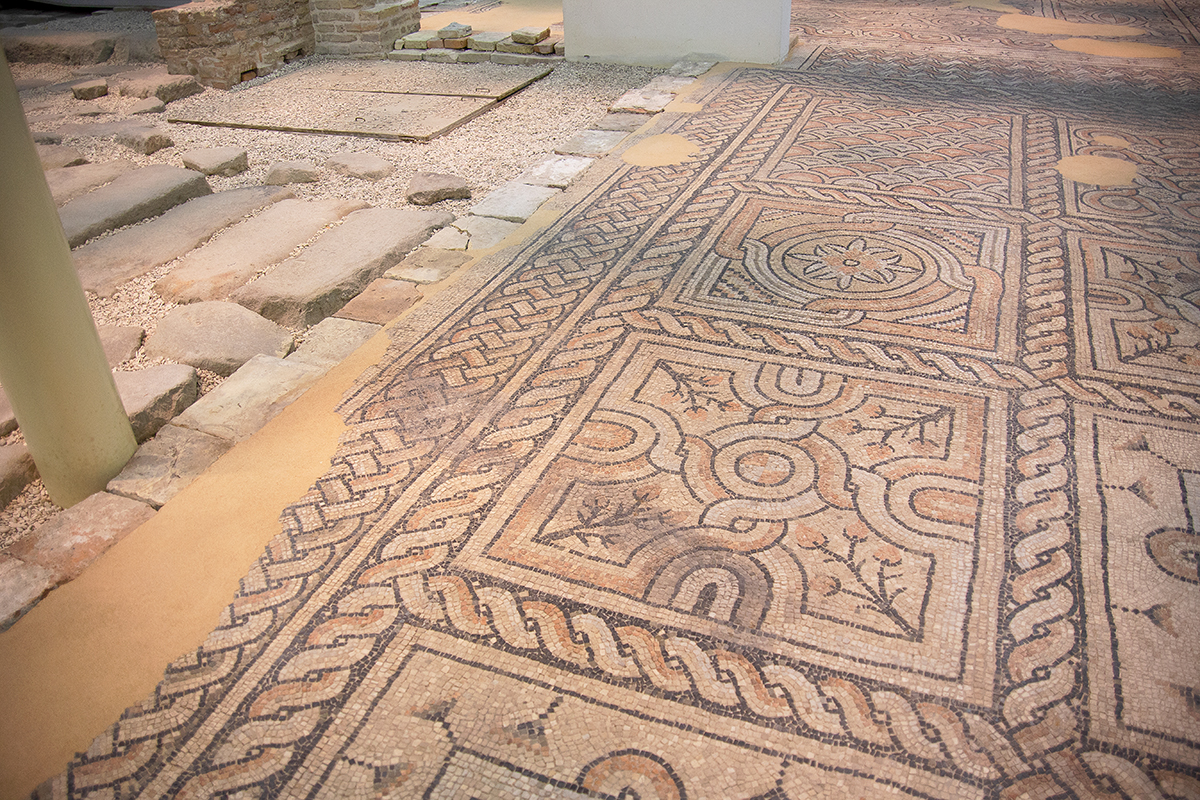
<point x="285" y="172"/>
<point x="90" y="90"/>
<point x="224" y="161"/>
<point x="156" y="395"/>
<point x="252" y="397"/>
<point x="360" y="165"/>
<point x="165" y="465"/>
<point x="427" y="188"/>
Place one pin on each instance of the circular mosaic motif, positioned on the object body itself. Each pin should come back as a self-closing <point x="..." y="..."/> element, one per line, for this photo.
<point x="852" y="265"/>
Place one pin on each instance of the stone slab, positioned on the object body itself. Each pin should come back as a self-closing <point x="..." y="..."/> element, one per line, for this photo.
<point x="151" y="105"/>
<point x="427" y="188"/>
<point x="472" y="233"/>
<point x="418" y="40"/>
<point x="557" y="172"/>
<point x="250" y="398"/>
<point x="90" y="90"/>
<point x="156" y="395"/>
<point x="131" y="197"/>
<point x="383" y="99"/>
<point x="428" y="265"/>
<point x="487" y="81"/>
<point x="157" y="82"/>
<point x="320" y="280"/>
<point x="224" y="161"/>
<point x="406" y="55"/>
<point x="143" y="138"/>
<point x="382" y="301"/>
<point x="371" y="114"/>
<point x="691" y="67"/>
<point x="227" y="262"/>
<point x="120" y="342"/>
<point x="105" y="264"/>
<point x="642" y="101"/>
<point x="17" y="471"/>
<point x="619" y="122"/>
<point x="530" y="34"/>
<point x="669" y="83"/>
<point x="85" y="47"/>
<point x="514" y="202"/>
<point x="72" y="540"/>
<point x="510" y="45"/>
<point x="360" y="165"/>
<point x="455" y="30"/>
<point x="165" y="465"/>
<point x="285" y="172"/>
<point x="216" y="335"/>
<point x="22" y="585"/>
<point x="67" y="183"/>
<point x="332" y="340"/>
<point x="486" y="40"/>
<point x="57" y="156"/>
<point x="591" y="143"/>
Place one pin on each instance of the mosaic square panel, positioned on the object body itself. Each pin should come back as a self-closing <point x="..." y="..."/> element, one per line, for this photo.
<point x="908" y="150"/>
<point x="1140" y="502"/>
<point x="775" y="504"/>
<point x="1141" y="315"/>
<point x="1166" y="190"/>
<point x="901" y="277"/>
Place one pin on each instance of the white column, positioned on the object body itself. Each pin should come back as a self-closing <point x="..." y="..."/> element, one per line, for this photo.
<point x="658" y="33"/>
<point x="52" y="366"/>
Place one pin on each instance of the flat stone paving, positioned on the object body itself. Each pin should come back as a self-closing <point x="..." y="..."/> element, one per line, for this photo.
<point x="853" y="456"/>
<point x="130" y="198"/>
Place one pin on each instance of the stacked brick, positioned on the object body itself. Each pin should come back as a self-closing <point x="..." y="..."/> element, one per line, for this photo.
<point x="459" y="43"/>
<point x="352" y="28"/>
<point x="223" y="42"/>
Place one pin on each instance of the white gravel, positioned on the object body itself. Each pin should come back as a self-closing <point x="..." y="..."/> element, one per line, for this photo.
<point x="488" y="151"/>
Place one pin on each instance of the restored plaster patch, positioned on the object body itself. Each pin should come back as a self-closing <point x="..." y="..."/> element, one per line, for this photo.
<point x="1021" y="22"/>
<point x="1116" y="49"/>
<point x="660" y="151"/>
<point x="683" y="107"/>
<point x="1097" y="170"/>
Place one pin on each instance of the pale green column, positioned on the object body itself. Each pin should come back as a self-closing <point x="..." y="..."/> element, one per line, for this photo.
<point x="52" y="366"/>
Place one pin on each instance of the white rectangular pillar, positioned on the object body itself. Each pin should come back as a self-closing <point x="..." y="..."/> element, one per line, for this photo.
<point x="658" y="33"/>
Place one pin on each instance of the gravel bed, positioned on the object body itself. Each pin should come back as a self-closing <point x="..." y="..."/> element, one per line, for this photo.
<point x="488" y="151"/>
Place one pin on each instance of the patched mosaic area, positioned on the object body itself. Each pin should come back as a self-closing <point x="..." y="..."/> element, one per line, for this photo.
<point x="857" y="455"/>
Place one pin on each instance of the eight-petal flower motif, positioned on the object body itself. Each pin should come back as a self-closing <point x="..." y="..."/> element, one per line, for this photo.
<point x="856" y="261"/>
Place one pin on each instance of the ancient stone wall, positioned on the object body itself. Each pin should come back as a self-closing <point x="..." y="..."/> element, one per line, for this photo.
<point x="223" y="42"/>
<point x="362" y="30"/>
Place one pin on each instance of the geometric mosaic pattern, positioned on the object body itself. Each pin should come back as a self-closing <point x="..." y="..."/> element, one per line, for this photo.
<point x="857" y="456"/>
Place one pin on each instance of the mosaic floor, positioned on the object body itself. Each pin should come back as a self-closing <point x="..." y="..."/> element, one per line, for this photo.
<point x="856" y="456"/>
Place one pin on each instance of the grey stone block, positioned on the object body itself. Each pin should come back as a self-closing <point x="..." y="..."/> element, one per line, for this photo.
<point x="156" y="395"/>
<point x="455" y="30"/>
<point x="129" y="198"/>
<point x="17" y="471"/>
<point x="592" y="144"/>
<point x="57" y="156"/>
<point x="217" y="336"/>
<point x="106" y="264"/>
<point x="485" y="40"/>
<point x="332" y="340"/>
<point x="669" y="83"/>
<point x="428" y="265"/>
<point x="251" y="398"/>
<point x="691" y="67"/>
<point x="285" y="172"/>
<point x="556" y="171"/>
<point x="157" y="82"/>
<point x="360" y="165"/>
<point x="22" y="585"/>
<point x="215" y="270"/>
<point x="620" y="122"/>
<point x="165" y="465"/>
<point x="90" y="90"/>
<point x="642" y="101"/>
<point x="427" y="188"/>
<point x="320" y="280"/>
<point x="72" y="540"/>
<point x="530" y="35"/>
<point x="406" y="55"/>
<point x="144" y="139"/>
<point x="120" y="342"/>
<point x="67" y="183"/>
<point x="514" y="202"/>
<point x="224" y="161"/>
